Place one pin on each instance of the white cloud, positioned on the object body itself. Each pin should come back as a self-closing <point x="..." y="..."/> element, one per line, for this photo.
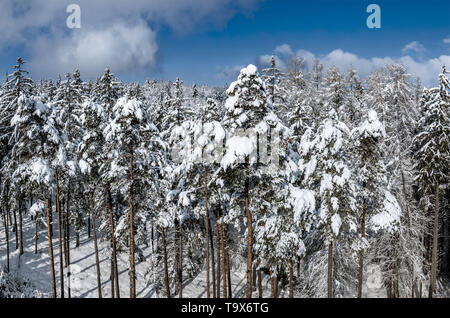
<point x="415" y="47"/>
<point x="104" y="39"/>
<point x="446" y="40"/>
<point x="120" y="46"/>
<point x="427" y="70"/>
<point x="284" y="50"/>
<point x="229" y="73"/>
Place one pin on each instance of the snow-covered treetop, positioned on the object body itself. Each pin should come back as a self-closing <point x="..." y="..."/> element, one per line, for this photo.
<point x="371" y="127"/>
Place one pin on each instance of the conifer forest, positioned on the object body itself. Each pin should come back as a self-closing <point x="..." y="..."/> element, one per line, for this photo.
<point x="304" y="183"/>
<point x="213" y="157"/>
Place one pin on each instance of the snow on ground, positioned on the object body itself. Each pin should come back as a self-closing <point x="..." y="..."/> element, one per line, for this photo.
<point x="84" y="277"/>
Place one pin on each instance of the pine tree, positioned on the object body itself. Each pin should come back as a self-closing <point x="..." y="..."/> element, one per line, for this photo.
<point x="432" y="144"/>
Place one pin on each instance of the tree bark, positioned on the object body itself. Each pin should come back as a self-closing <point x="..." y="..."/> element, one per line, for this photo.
<point x="113" y="245"/>
<point x="218" y="251"/>
<point x="15" y="228"/>
<point x="435" y="245"/>
<point x="35" y="236"/>
<point x="224" y="266"/>
<point x="260" y="289"/>
<point x="58" y="214"/>
<point x="67" y="233"/>
<point x="213" y="262"/>
<point x="208" y="293"/>
<point x="249" y="240"/>
<point x="5" y="224"/>
<point x="330" y="270"/>
<point x="20" y="228"/>
<point x="228" y="264"/>
<point x="97" y="260"/>
<point x="361" y="253"/>
<point x="291" y="278"/>
<point x="132" y="264"/>
<point x="166" y="270"/>
<point x="180" y="261"/>
<point x="50" y="248"/>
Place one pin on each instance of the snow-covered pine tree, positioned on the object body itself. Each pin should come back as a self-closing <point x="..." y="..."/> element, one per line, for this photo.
<point x="326" y="170"/>
<point x="433" y="158"/>
<point x="37" y="145"/>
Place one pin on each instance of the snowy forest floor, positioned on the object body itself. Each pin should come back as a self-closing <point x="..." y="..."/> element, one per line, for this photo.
<point x="35" y="267"/>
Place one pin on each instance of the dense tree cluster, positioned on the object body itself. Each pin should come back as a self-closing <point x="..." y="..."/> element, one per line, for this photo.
<point x="308" y="177"/>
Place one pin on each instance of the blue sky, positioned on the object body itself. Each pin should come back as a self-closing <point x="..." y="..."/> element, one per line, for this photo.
<point x="207" y="41"/>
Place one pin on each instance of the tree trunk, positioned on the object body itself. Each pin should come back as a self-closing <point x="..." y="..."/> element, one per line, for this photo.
<point x="113" y="245"/>
<point x="291" y="278"/>
<point x="224" y="266"/>
<point x="15" y="229"/>
<point x="435" y="245"/>
<point x="272" y="284"/>
<point x="213" y="262"/>
<point x="260" y="290"/>
<point x="361" y="253"/>
<point x="166" y="270"/>
<point x="249" y="240"/>
<point x="50" y="248"/>
<point x="58" y="214"/>
<point x="180" y="261"/>
<point x="97" y="260"/>
<point x="208" y="293"/>
<point x="132" y="265"/>
<point x="35" y="236"/>
<point x="20" y="228"/>
<point x="228" y="264"/>
<point x="67" y="233"/>
<point x="330" y="270"/>
<point x="5" y="224"/>
<point x="218" y="252"/>
<point x="89" y="224"/>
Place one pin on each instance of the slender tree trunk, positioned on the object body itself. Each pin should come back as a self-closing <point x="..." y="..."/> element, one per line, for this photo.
<point x="35" y="236"/>
<point x="213" y="262"/>
<point x="180" y="261"/>
<point x="15" y="229"/>
<point x="249" y="240"/>
<point x="89" y="224"/>
<point x="224" y="267"/>
<point x="435" y="245"/>
<point x="228" y="264"/>
<point x="111" y="277"/>
<point x="64" y="225"/>
<point x="218" y="252"/>
<point x="50" y="248"/>
<point x="132" y="260"/>
<point x="272" y="284"/>
<point x="166" y="270"/>
<point x="67" y="233"/>
<point x="113" y="244"/>
<point x="20" y="228"/>
<point x="58" y="214"/>
<point x="97" y="260"/>
<point x="260" y="289"/>
<point x="291" y="279"/>
<point x="77" y="238"/>
<point x="361" y="253"/>
<point x="330" y="270"/>
<point x="208" y="293"/>
<point x="5" y="224"/>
